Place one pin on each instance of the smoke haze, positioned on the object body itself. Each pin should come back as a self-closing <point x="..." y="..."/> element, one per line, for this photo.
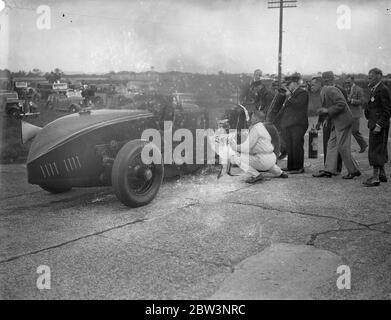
<point x="195" y="36"/>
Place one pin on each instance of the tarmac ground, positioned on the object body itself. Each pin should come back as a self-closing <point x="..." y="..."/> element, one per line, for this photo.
<point x="201" y="238"/>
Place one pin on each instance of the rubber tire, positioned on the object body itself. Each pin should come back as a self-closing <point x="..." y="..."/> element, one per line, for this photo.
<point x="14" y="114"/>
<point x="119" y="178"/>
<point x="98" y="102"/>
<point x="55" y="190"/>
<point x="74" y="109"/>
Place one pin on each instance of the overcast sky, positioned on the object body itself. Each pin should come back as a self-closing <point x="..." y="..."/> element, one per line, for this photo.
<point x="202" y="36"/>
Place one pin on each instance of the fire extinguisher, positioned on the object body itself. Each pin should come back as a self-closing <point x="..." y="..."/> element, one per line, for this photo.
<point x="313" y="143"/>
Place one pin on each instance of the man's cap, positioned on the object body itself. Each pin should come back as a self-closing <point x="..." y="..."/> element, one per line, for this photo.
<point x="295" y="77"/>
<point x="328" y="75"/>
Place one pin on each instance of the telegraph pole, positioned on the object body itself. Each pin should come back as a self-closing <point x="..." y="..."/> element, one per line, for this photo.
<point x="281" y="4"/>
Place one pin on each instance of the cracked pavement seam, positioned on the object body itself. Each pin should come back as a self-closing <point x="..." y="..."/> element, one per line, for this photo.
<point x="97" y="233"/>
<point x="85" y="198"/>
<point x="314" y="236"/>
<point x="366" y="226"/>
<point x="70" y="241"/>
<point x="230" y="266"/>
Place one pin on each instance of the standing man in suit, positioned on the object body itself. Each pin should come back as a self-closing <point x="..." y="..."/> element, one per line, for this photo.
<point x="336" y="109"/>
<point x="355" y="101"/>
<point x="294" y="122"/>
<point x="378" y="114"/>
<point x="329" y="80"/>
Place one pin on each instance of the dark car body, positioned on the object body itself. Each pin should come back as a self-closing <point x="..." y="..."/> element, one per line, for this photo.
<point x="12" y="106"/>
<point x="65" y="152"/>
<point x="65" y="100"/>
<point x="78" y="150"/>
<point x="107" y="96"/>
<point x="9" y="100"/>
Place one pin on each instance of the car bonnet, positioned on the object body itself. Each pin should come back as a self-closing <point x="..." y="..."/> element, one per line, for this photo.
<point x="68" y="127"/>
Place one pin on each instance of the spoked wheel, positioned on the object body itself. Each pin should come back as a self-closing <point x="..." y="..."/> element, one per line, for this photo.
<point x="136" y="183"/>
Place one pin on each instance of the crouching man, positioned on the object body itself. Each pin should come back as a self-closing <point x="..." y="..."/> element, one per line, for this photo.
<point x="256" y="154"/>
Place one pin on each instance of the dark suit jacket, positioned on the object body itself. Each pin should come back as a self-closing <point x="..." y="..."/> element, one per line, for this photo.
<point x="255" y="96"/>
<point x="324" y="118"/>
<point x="236" y="118"/>
<point x="250" y="95"/>
<point x="379" y="107"/>
<point x="265" y="98"/>
<point x="338" y="110"/>
<point x="274" y="109"/>
<point x="295" y="110"/>
<point x="342" y="89"/>
<point x="356" y="100"/>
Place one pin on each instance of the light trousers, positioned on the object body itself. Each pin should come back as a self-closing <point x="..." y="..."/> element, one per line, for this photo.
<point x="253" y="164"/>
<point x="340" y="143"/>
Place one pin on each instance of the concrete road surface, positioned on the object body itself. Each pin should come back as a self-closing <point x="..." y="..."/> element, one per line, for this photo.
<point x="201" y="238"/>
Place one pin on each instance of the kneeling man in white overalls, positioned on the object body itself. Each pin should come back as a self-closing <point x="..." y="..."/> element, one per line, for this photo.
<point x="255" y="155"/>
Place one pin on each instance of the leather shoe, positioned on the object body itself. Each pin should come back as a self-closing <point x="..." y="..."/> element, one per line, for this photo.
<point x="283" y="175"/>
<point x="371" y="182"/>
<point x="258" y="178"/>
<point x="383" y="178"/>
<point x="229" y="167"/>
<point x="352" y="175"/>
<point x="322" y="174"/>
<point x="298" y="171"/>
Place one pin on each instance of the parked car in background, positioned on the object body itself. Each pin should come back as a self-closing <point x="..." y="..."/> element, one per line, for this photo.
<point x="109" y="96"/>
<point x="12" y="106"/>
<point x="65" y="100"/>
<point x="20" y="88"/>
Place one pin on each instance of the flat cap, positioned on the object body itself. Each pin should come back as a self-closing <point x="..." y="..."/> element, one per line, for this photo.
<point x="295" y="77"/>
<point x="328" y="75"/>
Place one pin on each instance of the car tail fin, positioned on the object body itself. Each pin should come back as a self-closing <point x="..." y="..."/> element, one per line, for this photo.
<point x="29" y="131"/>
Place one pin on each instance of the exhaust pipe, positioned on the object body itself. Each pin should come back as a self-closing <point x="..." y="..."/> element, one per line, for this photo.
<point x="29" y="131"/>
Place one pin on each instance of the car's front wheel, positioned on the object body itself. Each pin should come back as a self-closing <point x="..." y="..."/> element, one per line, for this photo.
<point x="135" y="183"/>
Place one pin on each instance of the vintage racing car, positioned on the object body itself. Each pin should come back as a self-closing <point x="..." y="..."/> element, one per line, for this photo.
<point x="103" y="147"/>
